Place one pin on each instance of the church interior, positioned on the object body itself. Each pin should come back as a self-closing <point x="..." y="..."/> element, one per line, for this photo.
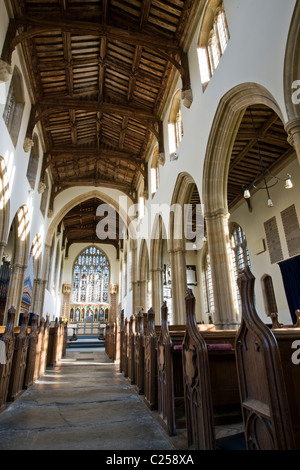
<point x="149" y="172"/>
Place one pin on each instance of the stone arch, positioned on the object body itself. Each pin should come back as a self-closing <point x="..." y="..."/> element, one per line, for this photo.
<point x="50" y="235"/>
<point x="158" y="238"/>
<point x="291" y="79"/>
<point x="20" y="256"/>
<point x="215" y="174"/>
<point x="221" y="139"/>
<point x="180" y="248"/>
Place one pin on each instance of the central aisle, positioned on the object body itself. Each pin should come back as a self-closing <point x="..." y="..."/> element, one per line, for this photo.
<point x="83" y="403"/>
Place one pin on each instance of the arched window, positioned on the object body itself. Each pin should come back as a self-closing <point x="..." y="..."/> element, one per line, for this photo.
<point x="14" y="107"/>
<point x="175" y="127"/>
<point x="142" y="200"/>
<point x="33" y="163"/>
<point x="213" y="39"/>
<point x="154" y="172"/>
<point x="239" y="256"/>
<point x="91" y="275"/>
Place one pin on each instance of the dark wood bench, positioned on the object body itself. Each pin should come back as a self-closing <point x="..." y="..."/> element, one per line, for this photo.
<point x="8" y="337"/>
<point x="150" y="362"/>
<point x="169" y="372"/>
<point x="31" y="353"/>
<point x="210" y="380"/>
<point x="269" y="380"/>
<point x="130" y="350"/>
<point x="139" y="352"/>
<point x="19" y="361"/>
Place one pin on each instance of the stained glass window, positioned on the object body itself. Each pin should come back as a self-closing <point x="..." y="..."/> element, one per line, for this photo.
<point x="91" y="276"/>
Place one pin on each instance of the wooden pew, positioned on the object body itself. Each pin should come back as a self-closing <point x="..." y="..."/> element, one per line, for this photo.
<point x="268" y="379"/>
<point x="56" y="342"/>
<point x="139" y="354"/>
<point x="19" y="361"/>
<point x="150" y="362"/>
<point x="122" y="339"/>
<point x="169" y="371"/>
<point x="45" y="346"/>
<point x="124" y="347"/>
<point x="112" y="341"/>
<point x="210" y="380"/>
<point x="31" y="354"/>
<point x="39" y="349"/>
<point x="130" y="350"/>
<point x="5" y="369"/>
<point x="222" y="371"/>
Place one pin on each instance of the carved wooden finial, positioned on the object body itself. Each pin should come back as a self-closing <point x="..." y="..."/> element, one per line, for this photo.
<point x="151" y="321"/>
<point x="297" y="324"/>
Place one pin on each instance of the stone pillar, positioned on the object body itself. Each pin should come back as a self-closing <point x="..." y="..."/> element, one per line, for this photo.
<point x="15" y="290"/>
<point x="135" y="295"/>
<point x="226" y="316"/>
<point x="157" y="292"/>
<point x="179" y="285"/>
<point x="143" y="294"/>
<point x="66" y="290"/>
<point x="292" y="127"/>
<point x="113" y="310"/>
<point x="39" y="286"/>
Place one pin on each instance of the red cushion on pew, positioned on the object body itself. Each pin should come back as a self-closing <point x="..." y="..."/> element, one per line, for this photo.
<point x="219" y="347"/>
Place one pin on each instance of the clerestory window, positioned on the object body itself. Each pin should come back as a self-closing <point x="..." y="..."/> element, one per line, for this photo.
<point x="213" y="41"/>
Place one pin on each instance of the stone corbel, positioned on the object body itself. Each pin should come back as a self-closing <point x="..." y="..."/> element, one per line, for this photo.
<point x="5" y="71"/>
<point x="41" y="187"/>
<point x="161" y="158"/>
<point x="187" y="97"/>
<point x="28" y="144"/>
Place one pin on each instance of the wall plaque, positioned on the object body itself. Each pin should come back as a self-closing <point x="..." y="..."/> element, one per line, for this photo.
<point x="273" y="240"/>
<point x="291" y="229"/>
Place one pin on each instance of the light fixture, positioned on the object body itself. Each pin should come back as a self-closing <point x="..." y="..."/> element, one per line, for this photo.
<point x="263" y="174"/>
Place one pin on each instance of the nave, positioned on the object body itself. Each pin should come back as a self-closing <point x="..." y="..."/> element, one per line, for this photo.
<point x="85" y="403"/>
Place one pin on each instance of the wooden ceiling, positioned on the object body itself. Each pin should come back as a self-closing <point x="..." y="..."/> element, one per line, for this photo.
<point x="273" y="145"/>
<point x="100" y="71"/>
<point x="82" y="224"/>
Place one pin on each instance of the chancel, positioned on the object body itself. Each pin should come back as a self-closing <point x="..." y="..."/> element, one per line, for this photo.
<point x="149" y="225"/>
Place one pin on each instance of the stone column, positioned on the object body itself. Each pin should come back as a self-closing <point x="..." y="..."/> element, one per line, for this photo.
<point x="66" y="290"/>
<point x="179" y="285"/>
<point x="135" y="295"/>
<point x="157" y="293"/>
<point x="15" y="290"/>
<point x="226" y="316"/>
<point x="143" y="294"/>
<point x="292" y="127"/>
<point x="39" y="286"/>
<point x="113" y="310"/>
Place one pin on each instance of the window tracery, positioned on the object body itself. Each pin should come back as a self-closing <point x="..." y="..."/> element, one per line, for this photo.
<point x="91" y="276"/>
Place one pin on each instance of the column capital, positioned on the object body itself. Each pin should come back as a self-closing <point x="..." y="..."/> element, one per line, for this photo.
<point x="216" y="213"/>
